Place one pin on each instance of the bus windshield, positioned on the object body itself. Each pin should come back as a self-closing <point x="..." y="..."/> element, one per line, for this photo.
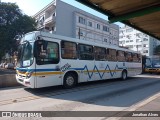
<point x="153" y="62"/>
<point x="25" y="54"/>
<point x="156" y="63"/>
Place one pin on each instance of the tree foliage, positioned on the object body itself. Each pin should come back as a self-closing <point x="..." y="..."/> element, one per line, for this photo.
<point x="12" y="22"/>
<point x="157" y="50"/>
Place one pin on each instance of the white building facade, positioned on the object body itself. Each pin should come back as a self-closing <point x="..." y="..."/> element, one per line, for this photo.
<point x="137" y="41"/>
<point x="63" y="19"/>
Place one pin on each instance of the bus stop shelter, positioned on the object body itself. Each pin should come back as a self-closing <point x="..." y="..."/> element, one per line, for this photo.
<point x="143" y="15"/>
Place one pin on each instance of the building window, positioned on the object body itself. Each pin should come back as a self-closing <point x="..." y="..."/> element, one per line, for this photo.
<point x="90" y="24"/>
<point x="120" y="42"/>
<point x="129" y="30"/>
<point x="145" y="35"/>
<point x="139" y="35"/>
<point x="120" y="37"/>
<point x="138" y="40"/>
<point x="98" y="26"/>
<point x="105" y="28"/>
<point x="145" y="45"/>
<point x="69" y="50"/>
<point x="80" y="33"/>
<point x="127" y="41"/>
<point x="129" y="46"/>
<point x="123" y="42"/>
<point x="121" y="31"/>
<point x="139" y="46"/>
<point x="82" y="20"/>
<point x="145" y="51"/>
<point x="131" y="40"/>
<point x="105" y="40"/>
<point x="145" y="39"/>
<point x="85" y="52"/>
<point x="128" y="36"/>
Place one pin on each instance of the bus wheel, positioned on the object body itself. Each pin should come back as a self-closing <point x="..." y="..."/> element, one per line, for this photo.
<point x="69" y="80"/>
<point x="124" y="75"/>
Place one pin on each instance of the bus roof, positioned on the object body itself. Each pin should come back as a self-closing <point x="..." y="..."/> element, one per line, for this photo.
<point x="60" y="37"/>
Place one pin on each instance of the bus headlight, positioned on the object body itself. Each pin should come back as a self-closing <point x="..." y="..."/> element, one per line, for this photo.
<point x="29" y="74"/>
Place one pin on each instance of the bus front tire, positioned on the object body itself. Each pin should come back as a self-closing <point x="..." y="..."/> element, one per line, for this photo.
<point x="124" y="75"/>
<point x="69" y="80"/>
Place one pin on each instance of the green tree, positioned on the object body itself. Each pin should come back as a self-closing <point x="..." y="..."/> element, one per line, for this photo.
<point x="157" y="50"/>
<point x="12" y="22"/>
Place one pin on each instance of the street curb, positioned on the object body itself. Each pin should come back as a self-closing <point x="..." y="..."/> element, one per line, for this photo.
<point x="137" y="106"/>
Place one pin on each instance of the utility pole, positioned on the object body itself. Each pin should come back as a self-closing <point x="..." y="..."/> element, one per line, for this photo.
<point x="79" y="33"/>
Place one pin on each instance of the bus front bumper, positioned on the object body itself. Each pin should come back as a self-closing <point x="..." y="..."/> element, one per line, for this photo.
<point x="23" y="80"/>
<point x="152" y="70"/>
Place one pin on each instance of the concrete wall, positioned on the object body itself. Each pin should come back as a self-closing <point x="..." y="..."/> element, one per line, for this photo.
<point x="8" y="80"/>
<point x="64" y="19"/>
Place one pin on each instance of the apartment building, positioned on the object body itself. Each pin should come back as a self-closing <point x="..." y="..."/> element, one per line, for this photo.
<point x="137" y="41"/>
<point x="63" y="19"/>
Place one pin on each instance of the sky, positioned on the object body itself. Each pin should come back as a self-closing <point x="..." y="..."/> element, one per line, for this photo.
<point x="31" y="7"/>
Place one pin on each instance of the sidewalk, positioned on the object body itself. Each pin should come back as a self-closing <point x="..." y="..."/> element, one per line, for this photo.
<point x="153" y="105"/>
<point x="150" y="105"/>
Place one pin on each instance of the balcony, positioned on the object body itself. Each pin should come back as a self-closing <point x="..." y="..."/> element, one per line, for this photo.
<point x="50" y="19"/>
<point x="40" y="26"/>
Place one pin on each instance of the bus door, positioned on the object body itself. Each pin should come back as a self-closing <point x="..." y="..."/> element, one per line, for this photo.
<point x="47" y="63"/>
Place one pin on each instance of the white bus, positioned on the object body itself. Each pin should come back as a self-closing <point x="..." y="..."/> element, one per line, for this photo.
<point x="48" y="60"/>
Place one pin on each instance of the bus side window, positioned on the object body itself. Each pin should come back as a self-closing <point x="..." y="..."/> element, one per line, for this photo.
<point x="120" y="56"/>
<point x="135" y="57"/>
<point x="111" y="55"/>
<point x="129" y="57"/>
<point x="52" y="53"/>
<point x="114" y="55"/>
<point x="47" y="52"/>
<point x="69" y="50"/>
<point x="85" y="52"/>
<point x="100" y="53"/>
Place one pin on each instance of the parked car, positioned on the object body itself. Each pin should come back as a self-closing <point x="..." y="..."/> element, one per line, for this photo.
<point x="9" y="66"/>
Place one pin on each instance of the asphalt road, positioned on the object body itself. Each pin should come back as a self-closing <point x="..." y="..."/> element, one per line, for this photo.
<point x="110" y="95"/>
